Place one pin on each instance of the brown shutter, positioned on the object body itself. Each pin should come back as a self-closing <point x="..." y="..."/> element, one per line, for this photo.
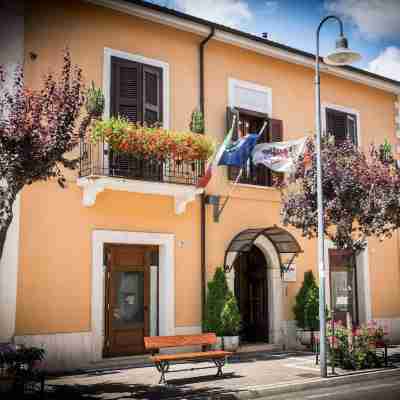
<point x="352" y="128"/>
<point x="233" y="172"/>
<point x="126" y="89"/>
<point x="152" y="95"/>
<point x="276" y="130"/>
<point x="336" y="123"/>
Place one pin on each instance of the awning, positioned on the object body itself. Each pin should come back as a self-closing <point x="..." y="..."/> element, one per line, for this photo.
<point x="283" y="241"/>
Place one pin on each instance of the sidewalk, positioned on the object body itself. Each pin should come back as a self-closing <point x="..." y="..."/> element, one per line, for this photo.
<point x="246" y="376"/>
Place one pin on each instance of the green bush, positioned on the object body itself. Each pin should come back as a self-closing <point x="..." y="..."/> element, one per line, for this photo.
<point x="306" y="308"/>
<point x="230" y="316"/>
<point x="216" y="296"/>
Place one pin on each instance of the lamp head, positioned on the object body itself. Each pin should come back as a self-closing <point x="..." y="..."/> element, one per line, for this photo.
<point x="342" y="55"/>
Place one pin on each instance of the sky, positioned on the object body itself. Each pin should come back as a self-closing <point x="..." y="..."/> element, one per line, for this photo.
<point x="372" y="26"/>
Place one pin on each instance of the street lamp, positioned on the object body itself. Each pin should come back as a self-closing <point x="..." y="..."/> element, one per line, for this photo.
<point x="342" y="55"/>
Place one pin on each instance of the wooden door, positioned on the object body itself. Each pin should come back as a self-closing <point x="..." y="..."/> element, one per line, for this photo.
<point x="127" y="299"/>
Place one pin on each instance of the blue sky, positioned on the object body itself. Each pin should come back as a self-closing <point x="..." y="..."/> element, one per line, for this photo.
<point x="372" y="26"/>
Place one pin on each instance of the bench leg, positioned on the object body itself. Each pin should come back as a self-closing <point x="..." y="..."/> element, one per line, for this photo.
<point x="219" y="364"/>
<point x="162" y="367"/>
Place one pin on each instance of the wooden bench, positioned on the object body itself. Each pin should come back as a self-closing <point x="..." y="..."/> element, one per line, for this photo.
<point x="163" y="361"/>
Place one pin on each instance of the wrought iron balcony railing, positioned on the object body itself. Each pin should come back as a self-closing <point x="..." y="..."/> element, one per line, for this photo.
<point x="99" y="160"/>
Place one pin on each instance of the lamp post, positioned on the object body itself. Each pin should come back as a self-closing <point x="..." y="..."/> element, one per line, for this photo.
<point x="342" y="55"/>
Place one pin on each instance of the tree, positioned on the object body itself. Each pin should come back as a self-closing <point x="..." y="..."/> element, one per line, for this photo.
<point x="37" y="129"/>
<point x="216" y="297"/>
<point x="306" y="308"/>
<point x="360" y="194"/>
<point x="230" y="316"/>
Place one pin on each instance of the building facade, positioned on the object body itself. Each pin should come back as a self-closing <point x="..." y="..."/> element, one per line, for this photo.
<point x="90" y="269"/>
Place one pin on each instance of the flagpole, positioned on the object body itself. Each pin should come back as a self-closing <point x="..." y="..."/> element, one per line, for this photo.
<point x="237" y="179"/>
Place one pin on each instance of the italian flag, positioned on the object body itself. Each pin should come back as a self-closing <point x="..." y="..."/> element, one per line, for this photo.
<point x="204" y="180"/>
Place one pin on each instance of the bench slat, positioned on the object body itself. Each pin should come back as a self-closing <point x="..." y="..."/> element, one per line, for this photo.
<point x="159" y="342"/>
<point x="209" y="355"/>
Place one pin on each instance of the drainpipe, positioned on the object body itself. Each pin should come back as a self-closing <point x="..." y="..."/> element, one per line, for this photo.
<point x="203" y="197"/>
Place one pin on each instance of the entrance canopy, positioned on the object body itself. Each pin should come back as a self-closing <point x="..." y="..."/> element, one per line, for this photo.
<point x="283" y="241"/>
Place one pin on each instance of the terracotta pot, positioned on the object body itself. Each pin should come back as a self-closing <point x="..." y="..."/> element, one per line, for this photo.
<point x="231" y="343"/>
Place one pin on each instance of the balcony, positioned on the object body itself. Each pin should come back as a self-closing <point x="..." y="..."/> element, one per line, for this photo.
<point x="104" y="169"/>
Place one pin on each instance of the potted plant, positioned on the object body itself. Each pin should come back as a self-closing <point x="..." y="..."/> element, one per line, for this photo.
<point x="216" y="296"/>
<point x="306" y="310"/>
<point x="231" y="320"/>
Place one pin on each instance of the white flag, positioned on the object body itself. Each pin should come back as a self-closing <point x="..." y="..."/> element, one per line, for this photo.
<point x="279" y="156"/>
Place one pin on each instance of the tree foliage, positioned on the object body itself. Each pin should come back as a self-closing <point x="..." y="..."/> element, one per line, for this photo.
<point x="37" y="129"/>
<point x="216" y="296"/>
<point x="230" y="316"/>
<point x="360" y="194"/>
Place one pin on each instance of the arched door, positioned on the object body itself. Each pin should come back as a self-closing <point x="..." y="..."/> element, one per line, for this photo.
<point x="251" y="290"/>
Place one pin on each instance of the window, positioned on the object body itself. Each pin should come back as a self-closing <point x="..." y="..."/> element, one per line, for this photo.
<point x="341" y="125"/>
<point x="252" y="122"/>
<point x="343" y="283"/>
<point x="136" y="94"/>
<point x="136" y="91"/>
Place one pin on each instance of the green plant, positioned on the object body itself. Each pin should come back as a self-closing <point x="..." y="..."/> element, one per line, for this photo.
<point x="216" y="296"/>
<point x="354" y="348"/>
<point x="230" y="316"/>
<point x="14" y="359"/>
<point x="306" y="308"/>
<point x="151" y="142"/>
<point x="94" y="101"/>
<point x="197" y="122"/>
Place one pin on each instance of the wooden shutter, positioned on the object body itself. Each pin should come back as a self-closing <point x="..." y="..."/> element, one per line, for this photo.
<point x="341" y="125"/>
<point x="233" y="172"/>
<point x="126" y="89"/>
<point x="152" y="95"/>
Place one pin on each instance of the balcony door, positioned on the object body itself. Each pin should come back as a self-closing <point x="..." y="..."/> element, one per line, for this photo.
<point x="136" y="95"/>
<point x="127" y="299"/>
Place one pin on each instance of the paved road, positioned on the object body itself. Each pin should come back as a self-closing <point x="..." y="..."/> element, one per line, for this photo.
<point x="382" y="389"/>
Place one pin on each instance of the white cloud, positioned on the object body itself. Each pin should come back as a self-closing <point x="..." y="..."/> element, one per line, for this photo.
<point x="374" y="18"/>
<point x="387" y="63"/>
<point x="234" y="13"/>
<point x="271" y="6"/>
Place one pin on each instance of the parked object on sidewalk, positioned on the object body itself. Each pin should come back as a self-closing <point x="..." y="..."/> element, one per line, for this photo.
<point x="162" y="362"/>
<point x="231" y="321"/>
<point x="19" y="371"/>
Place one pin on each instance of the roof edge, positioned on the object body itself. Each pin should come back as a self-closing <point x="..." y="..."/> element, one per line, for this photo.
<point x="202" y="27"/>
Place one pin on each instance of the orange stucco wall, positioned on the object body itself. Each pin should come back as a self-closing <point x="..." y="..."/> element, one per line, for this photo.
<point x="54" y="286"/>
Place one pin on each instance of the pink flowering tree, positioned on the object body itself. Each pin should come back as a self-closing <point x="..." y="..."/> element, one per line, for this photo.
<point x="361" y="194"/>
<point x="37" y="129"/>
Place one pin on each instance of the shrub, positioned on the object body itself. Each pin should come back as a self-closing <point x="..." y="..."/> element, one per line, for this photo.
<point x="230" y="316"/>
<point x="216" y="297"/>
<point x="355" y="348"/>
<point x="306" y="308"/>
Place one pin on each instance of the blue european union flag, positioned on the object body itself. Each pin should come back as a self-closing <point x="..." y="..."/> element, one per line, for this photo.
<point x="237" y="153"/>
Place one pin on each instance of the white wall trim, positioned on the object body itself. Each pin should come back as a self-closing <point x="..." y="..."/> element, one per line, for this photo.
<point x="237" y="40"/>
<point x="345" y="110"/>
<point x="233" y="83"/>
<point x="166" y="243"/>
<point x="9" y="276"/>
<point x="108" y="53"/>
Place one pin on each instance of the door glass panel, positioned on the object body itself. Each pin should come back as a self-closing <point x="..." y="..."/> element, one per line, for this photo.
<point x="343" y="289"/>
<point x="128" y="309"/>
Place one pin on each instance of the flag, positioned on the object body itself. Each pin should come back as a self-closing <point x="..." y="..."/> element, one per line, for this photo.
<point x="279" y="156"/>
<point x="237" y="153"/>
<point x="204" y="180"/>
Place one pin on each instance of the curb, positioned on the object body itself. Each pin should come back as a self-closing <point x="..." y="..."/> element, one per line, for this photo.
<point x="295" y="386"/>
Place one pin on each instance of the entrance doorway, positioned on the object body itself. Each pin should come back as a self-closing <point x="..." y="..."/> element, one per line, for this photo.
<point x="251" y="290"/>
<point x="127" y="295"/>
